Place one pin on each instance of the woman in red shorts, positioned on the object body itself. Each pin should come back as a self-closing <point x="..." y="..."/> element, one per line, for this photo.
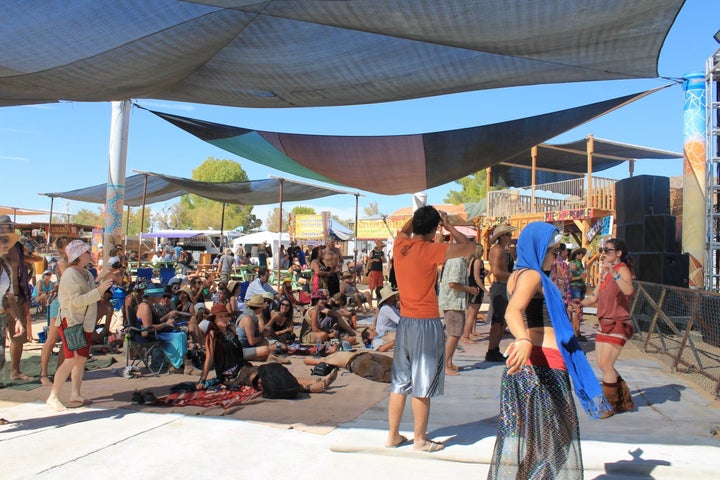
<point x="613" y="311"/>
<point x="78" y="295"/>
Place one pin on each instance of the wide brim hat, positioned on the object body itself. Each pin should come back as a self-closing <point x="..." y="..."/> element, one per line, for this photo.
<point x="385" y="293"/>
<point x="578" y="250"/>
<point x="187" y="290"/>
<point x="200" y="307"/>
<point x="347" y="275"/>
<point x="76" y="248"/>
<point x="12" y="238"/>
<point x="255" y="301"/>
<point x="47" y="272"/>
<point x="502" y="229"/>
<point x="231" y="286"/>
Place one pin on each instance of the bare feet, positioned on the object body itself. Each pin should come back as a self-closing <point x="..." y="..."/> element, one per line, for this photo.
<point x="45" y="381"/>
<point x="396" y="442"/>
<point x="81" y="400"/>
<point x="453" y="367"/>
<point x="55" y="404"/>
<point x="428" y="446"/>
<point x="450" y="372"/>
<point x="468" y="340"/>
<point x="19" y="376"/>
<point x="323" y="383"/>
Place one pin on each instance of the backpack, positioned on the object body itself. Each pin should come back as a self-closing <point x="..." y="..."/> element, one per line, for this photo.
<point x="277" y="381"/>
<point x="322" y="369"/>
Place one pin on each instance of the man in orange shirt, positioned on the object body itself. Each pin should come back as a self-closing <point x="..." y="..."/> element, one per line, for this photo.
<point x="419" y="359"/>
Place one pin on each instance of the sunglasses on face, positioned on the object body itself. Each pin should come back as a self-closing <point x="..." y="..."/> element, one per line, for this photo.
<point x="284" y="304"/>
<point x="606" y="250"/>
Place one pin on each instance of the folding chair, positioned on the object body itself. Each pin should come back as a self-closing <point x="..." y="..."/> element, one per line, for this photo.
<point x="146" y="351"/>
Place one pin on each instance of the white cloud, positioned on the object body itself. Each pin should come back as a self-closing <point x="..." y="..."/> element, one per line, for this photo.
<point x="15" y="159"/>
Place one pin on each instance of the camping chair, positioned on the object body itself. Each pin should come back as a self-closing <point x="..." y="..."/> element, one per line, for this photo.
<point x="146" y="351"/>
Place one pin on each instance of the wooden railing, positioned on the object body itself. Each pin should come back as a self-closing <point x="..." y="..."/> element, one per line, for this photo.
<point x="550" y="197"/>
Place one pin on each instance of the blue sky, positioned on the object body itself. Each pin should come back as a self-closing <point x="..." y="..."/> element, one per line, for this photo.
<point x="59" y="147"/>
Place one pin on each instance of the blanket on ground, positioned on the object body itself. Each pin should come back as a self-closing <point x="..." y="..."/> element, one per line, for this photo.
<point x="210" y="398"/>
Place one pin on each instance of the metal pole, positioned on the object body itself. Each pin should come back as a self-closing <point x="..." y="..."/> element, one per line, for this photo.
<point x="280" y="222"/>
<point x="222" y="226"/>
<point x="142" y="221"/>
<point x="127" y="228"/>
<point x="533" y="173"/>
<point x="52" y="201"/>
<point x="357" y="200"/>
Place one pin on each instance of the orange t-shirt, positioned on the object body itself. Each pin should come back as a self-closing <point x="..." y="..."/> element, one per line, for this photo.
<point x="416" y="264"/>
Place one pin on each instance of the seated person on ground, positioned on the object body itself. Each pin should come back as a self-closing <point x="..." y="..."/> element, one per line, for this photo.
<point x="232" y="369"/>
<point x="349" y="289"/>
<point x="45" y="291"/>
<point x="321" y="323"/>
<point x="249" y="330"/>
<point x="281" y="327"/>
<point x="388" y="314"/>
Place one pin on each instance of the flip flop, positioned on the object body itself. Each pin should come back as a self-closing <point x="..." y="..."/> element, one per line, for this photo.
<point x="403" y="440"/>
<point x="430" y="447"/>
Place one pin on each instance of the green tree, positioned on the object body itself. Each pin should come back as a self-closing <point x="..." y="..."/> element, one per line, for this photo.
<point x="273" y="217"/>
<point x="474" y="189"/>
<point x="88" y="217"/>
<point x="303" y="210"/>
<point x="201" y="213"/>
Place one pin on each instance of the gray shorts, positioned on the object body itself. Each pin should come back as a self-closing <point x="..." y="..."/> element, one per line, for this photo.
<point x="454" y="322"/>
<point x="419" y="359"/>
<point x="250" y="353"/>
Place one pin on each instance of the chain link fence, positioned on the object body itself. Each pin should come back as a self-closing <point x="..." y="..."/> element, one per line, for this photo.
<point x="682" y="328"/>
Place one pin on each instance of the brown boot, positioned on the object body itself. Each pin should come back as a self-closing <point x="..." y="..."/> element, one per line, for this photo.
<point x="625" y="401"/>
<point x="610" y="391"/>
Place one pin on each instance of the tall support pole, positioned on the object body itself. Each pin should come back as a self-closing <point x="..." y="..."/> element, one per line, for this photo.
<point x="280" y="228"/>
<point x="127" y="227"/>
<point x="222" y="227"/>
<point x="142" y="222"/>
<point x="590" y="147"/>
<point x="52" y="201"/>
<point x="533" y="177"/>
<point x="357" y="203"/>
<point x="488" y="174"/>
<point x="694" y="166"/>
<point x="115" y="193"/>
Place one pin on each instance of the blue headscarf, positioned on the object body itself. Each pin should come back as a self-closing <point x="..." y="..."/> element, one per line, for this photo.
<point x="532" y="246"/>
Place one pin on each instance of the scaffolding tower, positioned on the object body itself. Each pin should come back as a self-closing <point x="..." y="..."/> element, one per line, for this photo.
<point x="712" y="197"/>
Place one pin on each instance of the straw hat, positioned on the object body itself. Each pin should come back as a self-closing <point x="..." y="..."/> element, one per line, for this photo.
<point x="347" y="275"/>
<point x="385" y="293"/>
<point x="500" y="230"/>
<point x="187" y="290"/>
<point x="255" y="301"/>
<point x="12" y="238"/>
<point x="231" y="286"/>
<point x="578" y="250"/>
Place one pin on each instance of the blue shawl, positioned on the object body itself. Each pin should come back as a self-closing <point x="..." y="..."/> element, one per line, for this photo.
<point x="532" y="246"/>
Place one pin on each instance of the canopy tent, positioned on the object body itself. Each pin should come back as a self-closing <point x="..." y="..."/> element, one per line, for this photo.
<point x="149" y="187"/>
<point x="392" y="165"/>
<point x="557" y="162"/>
<point x="14" y="211"/>
<point x="339" y="231"/>
<point x="278" y="53"/>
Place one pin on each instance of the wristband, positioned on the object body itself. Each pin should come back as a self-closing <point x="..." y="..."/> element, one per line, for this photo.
<point x="524" y="339"/>
<point x="616" y="277"/>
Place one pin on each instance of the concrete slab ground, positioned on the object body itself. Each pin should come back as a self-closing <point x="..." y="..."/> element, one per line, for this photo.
<point x="672" y="434"/>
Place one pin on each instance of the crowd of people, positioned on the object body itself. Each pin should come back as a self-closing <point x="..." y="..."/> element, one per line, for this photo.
<point x="537" y="292"/>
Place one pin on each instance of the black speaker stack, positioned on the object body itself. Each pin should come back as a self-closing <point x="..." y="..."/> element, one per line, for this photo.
<point x="644" y="223"/>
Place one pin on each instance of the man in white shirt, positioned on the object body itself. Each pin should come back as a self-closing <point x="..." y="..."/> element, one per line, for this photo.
<point x="388" y="313"/>
<point x="260" y="285"/>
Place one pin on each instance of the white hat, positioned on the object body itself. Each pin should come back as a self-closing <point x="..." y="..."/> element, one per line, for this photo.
<point x="76" y="248"/>
<point x="204" y="325"/>
<point x="385" y="293"/>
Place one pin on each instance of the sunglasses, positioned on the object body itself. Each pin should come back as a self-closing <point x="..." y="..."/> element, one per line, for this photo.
<point x="606" y="250"/>
<point x="284" y="304"/>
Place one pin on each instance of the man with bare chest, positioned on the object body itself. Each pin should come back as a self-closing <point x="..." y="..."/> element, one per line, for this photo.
<point x="332" y="259"/>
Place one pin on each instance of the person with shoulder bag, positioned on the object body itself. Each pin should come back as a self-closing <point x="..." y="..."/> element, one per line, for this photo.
<point x="78" y="294"/>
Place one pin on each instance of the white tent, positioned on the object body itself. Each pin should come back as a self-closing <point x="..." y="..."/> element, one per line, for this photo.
<point x="255" y="239"/>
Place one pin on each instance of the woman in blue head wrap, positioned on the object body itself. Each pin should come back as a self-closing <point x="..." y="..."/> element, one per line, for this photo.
<point x="538" y="434"/>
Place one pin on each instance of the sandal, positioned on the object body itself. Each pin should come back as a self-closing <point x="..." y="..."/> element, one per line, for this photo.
<point x="401" y="441"/>
<point x="430" y="447"/>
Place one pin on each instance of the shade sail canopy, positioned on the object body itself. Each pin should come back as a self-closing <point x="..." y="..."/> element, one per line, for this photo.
<point x="557" y="162"/>
<point x="339" y="231"/>
<point x="311" y="53"/>
<point x="165" y="187"/>
<point x="396" y="164"/>
<point x="12" y="211"/>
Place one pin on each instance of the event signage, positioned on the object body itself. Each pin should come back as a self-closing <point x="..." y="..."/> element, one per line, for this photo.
<point x="378" y="228"/>
<point x="307" y="226"/>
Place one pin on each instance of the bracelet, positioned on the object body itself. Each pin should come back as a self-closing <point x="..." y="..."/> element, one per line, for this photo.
<point x="616" y="277"/>
<point x="524" y="339"/>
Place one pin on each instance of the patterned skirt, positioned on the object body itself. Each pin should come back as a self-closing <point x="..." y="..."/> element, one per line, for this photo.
<point x="538" y="434"/>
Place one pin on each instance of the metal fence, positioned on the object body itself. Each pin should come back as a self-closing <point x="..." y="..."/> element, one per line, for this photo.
<point x="682" y="328"/>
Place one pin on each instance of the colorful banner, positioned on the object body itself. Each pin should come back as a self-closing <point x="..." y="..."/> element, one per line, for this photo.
<point x="306" y="226"/>
<point x="373" y="229"/>
<point x="694" y="165"/>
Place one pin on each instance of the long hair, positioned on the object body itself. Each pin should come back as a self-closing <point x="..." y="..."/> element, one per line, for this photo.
<point x="625" y="256"/>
